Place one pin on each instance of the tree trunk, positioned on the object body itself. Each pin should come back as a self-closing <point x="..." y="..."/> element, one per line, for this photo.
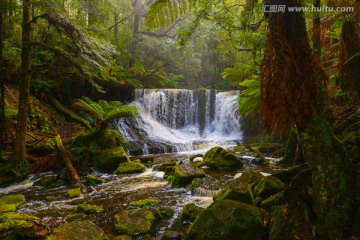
<point x="316" y="30"/>
<point x="136" y="4"/>
<point x="332" y="199"/>
<point x="3" y="7"/>
<point x="24" y="95"/>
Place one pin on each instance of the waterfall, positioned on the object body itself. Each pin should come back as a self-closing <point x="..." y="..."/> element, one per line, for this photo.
<point x="179" y="120"/>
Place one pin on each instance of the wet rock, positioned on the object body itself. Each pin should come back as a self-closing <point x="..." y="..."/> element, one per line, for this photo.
<point x="130" y="167"/>
<point x="167" y="212"/>
<point x="240" y="149"/>
<point x="7" y="208"/>
<point x="47" y="181"/>
<point x="135" y="221"/>
<point x="227" y="219"/>
<point x="122" y="237"/>
<point x="144" y="203"/>
<point x="65" y="176"/>
<point x="109" y="159"/>
<point x="94" y="180"/>
<point x="78" y="230"/>
<point x="49" y="198"/>
<point x="274" y="200"/>
<point x="75" y="217"/>
<point x="183" y="174"/>
<point x="240" y="189"/>
<point x="268" y="186"/>
<point x="88" y="208"/>
<point x="221" y="159"/>
<point x="162" y="167"/>
<point x="73" y="193"/>
<point x="16" y="199"/>
<point x="172" y="235"/>
<point x="190" y="212"/>
<point x="21" y="226"/>
<point x="287" y="175"/>
<point x="192" y="157"/>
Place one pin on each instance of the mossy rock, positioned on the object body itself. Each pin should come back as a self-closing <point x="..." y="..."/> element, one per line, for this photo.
<point x="78" y="230"/>
<point x="88" y="208"/>
<point x="49" y="198"/>
<point x="108" y="160"/>
<point x="162" y="167"/>
<point x="240" y="149"/>
<point x="94" y="180"/>
<point x="7" y="208"/>
<point x="16" y="199"/>
<point x="135" y="221"/>
<point x="227" y="219"/>
<point x="73" y="193"/>
<point x="167" y="212"/>
<point x="47" y="181"/>
<point x="240" y="189"/>
<point x="221" y="159"/>
<point x="268" y="186"/>
<point x="43" y="148"/>
<point x="23" y="226"/>
<point x="122" y="237"/>
<point x="287" y="175"/>
<point x="75" y="217"/>
<point x="144" y="203"/>
<point x="172" y="235"/>
<point x="274" y="200"/>
<point x="190" y="212"/>
<point x="130" y="167"/>
<point x="183" y="174"/>
<point x="192" y="157"/>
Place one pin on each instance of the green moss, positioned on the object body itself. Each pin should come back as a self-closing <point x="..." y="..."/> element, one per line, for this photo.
<point x="190" y="212"/>
<point x="75" y="217"/>
<point x="94" y="180"/>
<point x="16" y="199"/>
<point x="7" y="208"/>
<point x="109" y="159"/>
<point x="221" y="159"/>
<point x="167" y="212"/>
<point x="134" y="221"/>
<point x="49" y="198"/>
<point x="130" y="167"/>
<point x="162" y="167"/>
<point x="88" y="208"/>
<point x="273" y="200"/>
<point x="268" y="186"/>
<point x="47" y="181"/>
<point x="182" y="175"/>
<point x="240" y="149"/>
<point x="73" y="193"/>
<point x="144" y="203"/>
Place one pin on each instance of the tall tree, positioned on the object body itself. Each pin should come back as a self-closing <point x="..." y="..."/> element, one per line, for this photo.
<point x="24" y="94"/>
<point x="3" y="7"/>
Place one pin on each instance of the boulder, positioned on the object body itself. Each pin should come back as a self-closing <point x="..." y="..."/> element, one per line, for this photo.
<point x="162" y="167"/>
<point x="21" y="226"/>
<point x="47" y="181"/>
<point x="88" y="208"/>
<point x="109" y="159"/>
<point x="122" y="237"/>
<point x="135" y="221"/>
<point x="287" y="175"/>
<point x="172" y="235"/>
<point x="73" y="193"/>
<point x="268" y="186"/>
<point x="144" y="203"/>
<point x="231" y="220"/>
<point x="190" y="212"/>
<point x="192" y="157"/>
<point x="274" y="200"/>
<point x="16" y="199"/>
<point x="183" y="174"/>
<point x="130" y="167"/>
<point x="240" y="149"/>
<point x="75" y="217"/>
<point x="221" y="159"/>
<point x="240" y="189"/>
<point x="78" y="230"/>
<point x="7" y="208"/>
<point x="94" y="180"/>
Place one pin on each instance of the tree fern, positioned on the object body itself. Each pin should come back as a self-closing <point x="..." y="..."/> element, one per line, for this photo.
<point x="250" y="96"/>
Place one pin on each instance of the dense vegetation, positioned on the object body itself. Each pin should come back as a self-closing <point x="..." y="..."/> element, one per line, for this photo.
<point x="66" y="65"/>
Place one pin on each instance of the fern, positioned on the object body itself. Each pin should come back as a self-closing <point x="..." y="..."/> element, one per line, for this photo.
<point x="250" y="96"/>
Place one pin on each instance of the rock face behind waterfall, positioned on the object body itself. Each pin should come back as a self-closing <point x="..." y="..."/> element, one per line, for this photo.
<point x="221" y="159"/>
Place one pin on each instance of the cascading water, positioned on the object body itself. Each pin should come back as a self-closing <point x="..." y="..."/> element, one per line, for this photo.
<point x="177" y="120"/>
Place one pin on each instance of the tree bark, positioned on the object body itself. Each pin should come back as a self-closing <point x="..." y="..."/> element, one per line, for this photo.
<point x="24" y="95"/>
<point x="3" y="7"/>
<point x="316" y="30"/>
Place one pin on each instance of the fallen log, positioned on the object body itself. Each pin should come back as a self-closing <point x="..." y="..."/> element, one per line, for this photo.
<point x="257" y="153"/>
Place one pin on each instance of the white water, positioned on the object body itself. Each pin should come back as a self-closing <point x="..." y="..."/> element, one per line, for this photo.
<point x="182" y="120"/>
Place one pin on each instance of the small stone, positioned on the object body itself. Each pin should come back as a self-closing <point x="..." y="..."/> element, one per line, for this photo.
<point x="144" y="203"/>
<point x="130" y="167"/>
<point x="88" y="208"/>
<point x="73" y="193"/>
<point x="75" y="217"/>
<point x="171" y="235"/>
<point x="94" y="180"/>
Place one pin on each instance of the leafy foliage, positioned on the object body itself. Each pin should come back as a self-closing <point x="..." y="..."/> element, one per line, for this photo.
<point x="250" y="96"/>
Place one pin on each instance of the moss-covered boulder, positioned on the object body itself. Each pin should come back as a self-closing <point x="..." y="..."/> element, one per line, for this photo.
<point x="135" y="221"/>
<point x="190" y="212"/>
<point x="287" y="175"/>
<point x="109" y="159"/>
<point x="91" y="179"/>
<point x="227" y="219"/>
<point x="73" y="193"/>
<point x="88" y="208"/>
<point x="192" y="157"/>
<point x="78" y="230"/>
<point x="130" y="167"/>
<point x="16" y="199"/>
<point x="7" y="208"/>
<point x="122" y="237"/>
<point x="162" y="167"/>
<point x="240" y="149"/>
<point x="240" y="189"/>
<point x="47" y="181"/>
<point x="221" y="159"/>
<point x="274" y="200"/>
<point x="75" y="217"/>
<point x="144" y="203"/>
<point x="268" y="186"/>
<point x="172" y="235"/>
<point x="21" y="226"/>
<point x="183" y="174"/>
<point x="43" y="148"/>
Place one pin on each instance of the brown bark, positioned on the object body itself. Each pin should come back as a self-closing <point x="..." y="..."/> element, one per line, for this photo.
<point x="316" y="30"/>
<point x="62" y="153"/>
<point x="3" y="7"/>
<point x="24" y="95"/>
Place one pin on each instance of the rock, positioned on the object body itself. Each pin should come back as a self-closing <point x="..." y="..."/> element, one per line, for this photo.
<point x="16" y="199"/>
<point x="130" y="167"/>
<point x="65" y="176"/>
<point x="94" y="180"/>
<point x="162" y="167"/>
<point x="268" y="186"/>
<point x="47" y="181"/>
<point x="167" y="212"/>
<point x="171" y="235"/>
<point x="221" y="159"/>
<point x="21" y="226"/>
<point x="88" y="208"/>
<point x="287" y="175"/>
<point x="109" y="159"/>
<point x="274" y="200"/>
<point x="198" y="159"/>
<point x="190" y="212"/>
<point x="49" y="198"/>
<point x="192" y="157"/>
<point x="240" y="189"/>
<point x="122" y="237"/>
<point x="231" y="220"/>
<point x="73" y="193"/>
<point x="183" y="174"/>
<point x="78" y="230"/>
<point x="240" y="149"/>
<point x="135" y="221"/>
<point x="144" y="203"/>
<point x="43" y="148"/>
<point x="75" y="217"/>
<point x="7" y="208"/>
